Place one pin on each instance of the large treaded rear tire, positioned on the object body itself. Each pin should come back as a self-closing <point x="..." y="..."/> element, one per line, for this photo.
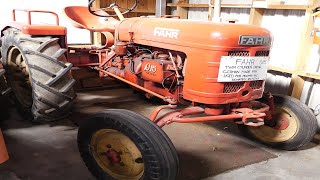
<point x="3" y="85"/>
<point x="159" y="156"/>
<point x="301" y="131"/>
<point x="49" y="96"/>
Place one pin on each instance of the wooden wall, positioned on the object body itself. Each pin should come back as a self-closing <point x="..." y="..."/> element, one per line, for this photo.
<point x="145" y="7"/>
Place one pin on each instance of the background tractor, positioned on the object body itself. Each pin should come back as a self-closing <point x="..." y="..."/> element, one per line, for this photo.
<point x="202" y="71"/>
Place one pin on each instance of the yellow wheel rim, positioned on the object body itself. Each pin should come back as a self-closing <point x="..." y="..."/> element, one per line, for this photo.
<point x="117" y="155"/>
<point x="21" y="82"/>
<point x="273" y="135"/>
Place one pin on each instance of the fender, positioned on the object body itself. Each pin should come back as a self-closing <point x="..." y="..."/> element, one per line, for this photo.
<point x="37" y="29"/>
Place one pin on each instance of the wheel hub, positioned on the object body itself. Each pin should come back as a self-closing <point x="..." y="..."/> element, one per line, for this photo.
<point x="117" y="155"/>
<point x="20" y="81"/>
<point x="113" y="156"/>
<point x="282" y="122"/>
<point x="282" y="127"/>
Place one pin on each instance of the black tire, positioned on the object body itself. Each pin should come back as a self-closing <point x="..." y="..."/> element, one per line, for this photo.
<point x="305" y="124"/>
<point x="3" y="85"/>
<point x="158" y="153"/>
<point x="38" y="74"/>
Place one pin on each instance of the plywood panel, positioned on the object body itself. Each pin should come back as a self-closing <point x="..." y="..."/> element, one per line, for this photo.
<point x="144" y="5"/>
<point x="242" y="15"/>
<point x="198" y="14"/>
<point x="314" y="62"/>
<point x="286" y="27"/>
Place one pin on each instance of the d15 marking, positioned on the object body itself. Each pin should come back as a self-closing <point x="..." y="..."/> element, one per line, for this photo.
<point x="151" y="68"/>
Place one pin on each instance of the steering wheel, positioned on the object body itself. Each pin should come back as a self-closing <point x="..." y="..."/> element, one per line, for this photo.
<point x="316" y="9"/>
<point x="112" y="6"/>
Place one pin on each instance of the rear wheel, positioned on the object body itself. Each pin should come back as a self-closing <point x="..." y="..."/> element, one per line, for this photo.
<point x="293" y="125"/>
<point x="3" y="86"/>
<point x="120" y="144"/>
<point x="38" y="74"/>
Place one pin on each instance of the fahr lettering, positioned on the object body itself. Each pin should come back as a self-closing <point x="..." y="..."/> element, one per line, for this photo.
<point x="245" y="62"/>
<point x="254" y="40"/>
<point x="166" y="32"/>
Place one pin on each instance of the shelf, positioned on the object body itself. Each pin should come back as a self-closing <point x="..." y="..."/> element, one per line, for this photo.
<point x="137" y="11"/>
<point x="266" y="4"/>
<point x="187" y="5"/>
<point x="310" y="75"/>
<point x="288" y="71"/>
<point x="279" y="69"/>
<point x="284" y="7"/>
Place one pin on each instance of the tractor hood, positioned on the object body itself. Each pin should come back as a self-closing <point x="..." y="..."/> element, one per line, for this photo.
<point x="195" y="34"/>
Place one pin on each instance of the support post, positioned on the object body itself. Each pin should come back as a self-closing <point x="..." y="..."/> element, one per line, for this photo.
<point x="97" y="41"/>
<point x="217" y="11"/>
<point x="182" y="11"/>
<point x="161" y="8"/>
<point x="256" y="16"/>
<point x="210" y="10"/>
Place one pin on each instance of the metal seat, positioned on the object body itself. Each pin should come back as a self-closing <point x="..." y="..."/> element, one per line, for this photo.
<point x="80" y="17"/>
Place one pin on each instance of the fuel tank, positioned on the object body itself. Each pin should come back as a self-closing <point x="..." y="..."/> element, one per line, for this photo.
<point x="204" y="43"/>
<point x="187" y="33"/>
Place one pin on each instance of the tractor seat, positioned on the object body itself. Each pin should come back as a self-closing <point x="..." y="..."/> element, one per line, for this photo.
<point x="80" y="17"/>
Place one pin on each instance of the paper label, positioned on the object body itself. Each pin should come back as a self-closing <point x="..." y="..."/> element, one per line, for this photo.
<point x="239" y="68"/>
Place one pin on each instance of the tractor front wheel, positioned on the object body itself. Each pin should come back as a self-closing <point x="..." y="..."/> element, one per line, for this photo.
<point x="120" y="144"/>
<point x="293" y="125"/>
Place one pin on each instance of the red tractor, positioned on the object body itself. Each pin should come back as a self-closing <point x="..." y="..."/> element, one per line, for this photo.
<point x="203" y="71"/>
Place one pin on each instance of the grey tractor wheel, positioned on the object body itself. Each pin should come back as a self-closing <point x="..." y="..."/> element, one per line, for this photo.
<point x="38" y="74"/>
<point x="3" y="86"/>
<point x="293" y="125"/>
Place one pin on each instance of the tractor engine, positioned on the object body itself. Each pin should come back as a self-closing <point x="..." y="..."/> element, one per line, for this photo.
<point x="156" y="69"/>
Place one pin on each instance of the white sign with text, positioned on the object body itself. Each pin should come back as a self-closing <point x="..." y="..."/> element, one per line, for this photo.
<point x="239" y="68"/>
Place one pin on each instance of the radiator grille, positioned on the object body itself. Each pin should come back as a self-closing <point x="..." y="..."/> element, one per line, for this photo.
<point x="238" y="53"/>
<point x="246" y="53"/>
<point x="262" y="53"/>
<point x="256" y="84"/>
<point x="236" y="86"/>
<point x="232" y="87"/>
